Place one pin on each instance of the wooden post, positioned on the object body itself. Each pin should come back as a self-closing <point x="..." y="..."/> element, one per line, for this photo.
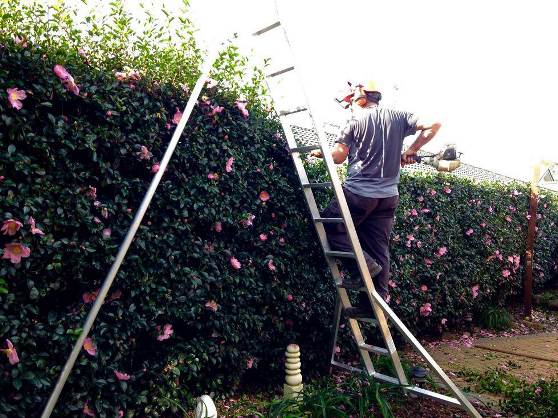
<point x="528" y="278"/>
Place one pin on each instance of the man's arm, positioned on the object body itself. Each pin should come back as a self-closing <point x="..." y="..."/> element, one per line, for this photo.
<point x="339" y="152"/>
<point x="427" y="132"/>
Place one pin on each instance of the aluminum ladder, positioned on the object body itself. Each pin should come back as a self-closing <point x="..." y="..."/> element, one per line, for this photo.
<point x="380" y="307"/>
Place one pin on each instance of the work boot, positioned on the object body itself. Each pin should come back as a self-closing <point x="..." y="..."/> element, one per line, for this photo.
<point x="363" y="308"/>
<point x="373" y="267"/>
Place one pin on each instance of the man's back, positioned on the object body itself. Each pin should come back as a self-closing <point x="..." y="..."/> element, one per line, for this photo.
<point x="375" y="140"/>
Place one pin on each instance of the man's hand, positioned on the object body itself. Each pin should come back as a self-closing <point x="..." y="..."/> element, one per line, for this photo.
<point x="408" y="157"/>
<point x="316" y="153"/>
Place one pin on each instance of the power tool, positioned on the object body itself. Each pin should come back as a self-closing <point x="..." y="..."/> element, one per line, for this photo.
<point x="446" y="160"/>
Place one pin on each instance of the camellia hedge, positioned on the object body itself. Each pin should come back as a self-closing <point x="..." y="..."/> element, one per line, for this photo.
<point x="225" y="270"/>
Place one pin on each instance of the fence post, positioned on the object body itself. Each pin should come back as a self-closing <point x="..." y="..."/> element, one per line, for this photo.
<point x="531" y="232"/>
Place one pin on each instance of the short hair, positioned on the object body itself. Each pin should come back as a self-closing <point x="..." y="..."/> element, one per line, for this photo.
<point x="373" y="96"/>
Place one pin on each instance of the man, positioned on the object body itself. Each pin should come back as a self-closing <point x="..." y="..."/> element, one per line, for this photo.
<point x="373" y="141"/>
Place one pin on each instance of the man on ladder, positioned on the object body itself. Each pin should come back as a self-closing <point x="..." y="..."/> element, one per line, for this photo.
<point x="373" y="141"/>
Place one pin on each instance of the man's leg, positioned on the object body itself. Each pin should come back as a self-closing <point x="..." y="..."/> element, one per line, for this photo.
<point x="374" y="233"/>
<point x="337" y="236"/>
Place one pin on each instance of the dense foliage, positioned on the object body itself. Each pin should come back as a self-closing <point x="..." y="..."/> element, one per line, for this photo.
<point x="226" y="269"/>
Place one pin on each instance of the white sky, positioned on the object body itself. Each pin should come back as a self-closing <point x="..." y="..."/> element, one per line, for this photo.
<point x="487" y="70"/>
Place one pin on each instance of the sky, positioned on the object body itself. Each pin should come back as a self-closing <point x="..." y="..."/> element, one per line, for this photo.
<point x="484" y="69"/>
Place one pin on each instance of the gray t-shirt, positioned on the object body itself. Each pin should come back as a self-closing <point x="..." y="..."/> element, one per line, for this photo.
<point x="375" y="140"/>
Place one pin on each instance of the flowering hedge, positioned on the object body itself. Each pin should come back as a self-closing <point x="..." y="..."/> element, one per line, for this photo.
<point x="225" y="270"/>
<point x="222" y="255"/>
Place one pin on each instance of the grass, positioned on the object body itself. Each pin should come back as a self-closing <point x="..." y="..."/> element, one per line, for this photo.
<point x="536" y="400"/>
<point x="496" y="318"/>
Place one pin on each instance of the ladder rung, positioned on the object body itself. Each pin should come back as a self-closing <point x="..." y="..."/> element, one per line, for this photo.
<point x="340" y="254"/>
<point x="267" y="29"/>
<point x="305" y="148"/>
<point x="283" y="71"/>
<point x="318" y="185"/>
<point x="329" y="220"/>
<point x="291" y="112"/>
<point x="374" y="349"/>
<point x="347" y="367"/>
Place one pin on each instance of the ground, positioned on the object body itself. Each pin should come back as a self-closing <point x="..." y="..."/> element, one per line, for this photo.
<point x="528" y="351"/>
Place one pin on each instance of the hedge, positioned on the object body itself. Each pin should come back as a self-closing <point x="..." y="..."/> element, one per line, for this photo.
<point x="225" y="270"/>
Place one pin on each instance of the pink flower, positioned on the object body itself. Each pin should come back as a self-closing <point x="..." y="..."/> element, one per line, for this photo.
<point x="66" y="79"/>
<point x="89" y="297"/>
<point x="420" y="199"/>
<point x="91" y="193"/>
<point x="391" y="283"/>
<point x="15" y="251"/>
<point x="538" y="390"/>
<point x="11" y="226"/>
<point x="426" y="309"/>
<point x="143" y="153"/>
<point x="469" y="232"/>
<point x="447" y="190"/>
<point x="250" y="363"/>
<point x="483" y="224"/>
<point x="167" y="332"/>
<point x="432" y="192"/>
<point x="442" y="251"/>
<point x="215" y="110"/>
<point x="34" y="229"/>
<point x="115" y="295"/>
<point x="107" y="233"/>
<point x="419" y="244"/>
<point x="177" y="116"/>
<point x="11" y="353"/>
<point x="424" y="288"/>
<point x="444" y="321"/>
<point x="121" y="376"/>
<point x="270" y="166"/>
<point x="213" y="176"/>
<point x="506" y="273"/>
<point x="120" y="413"/>
<point x="490" y="209"/>
<point x="212" y="305"/>
<point x="428" y="262"/>
<point x="290" y="298"/>
<point x="228" y="166"/>
<point x="425" y="210"/>
<point x="15" y="97"/>
<point x="88" y="411"/>
<point x="89" y="346"/>
<point x="96" y="220"/>
<point x="235" y="263"/>
<point x="263" y="237"/>
<point x="508" y="218"/>
<point x="241" y="105"/>
<point x="218" y="226"/>
<point x="475" y="291"/>
<point x="155" y="168"/>
<point x="264" y="196"/>
<point x="249" y="221"/>
<point x="281" y="241"/>
<point x="109" y="113"/>
<point x="414" y="212"/>
<point x="270" y="265"/>
<point x="410" y="237"/>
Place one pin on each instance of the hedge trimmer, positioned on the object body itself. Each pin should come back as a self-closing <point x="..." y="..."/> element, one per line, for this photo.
<point x="446" y="160"/>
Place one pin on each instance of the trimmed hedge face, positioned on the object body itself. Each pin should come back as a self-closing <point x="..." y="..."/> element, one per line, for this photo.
<point x="225" y="254"/>
<point x="225" y="270"/>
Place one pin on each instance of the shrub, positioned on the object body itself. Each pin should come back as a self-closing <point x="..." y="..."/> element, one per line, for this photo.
<point x="496" y="318"/>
